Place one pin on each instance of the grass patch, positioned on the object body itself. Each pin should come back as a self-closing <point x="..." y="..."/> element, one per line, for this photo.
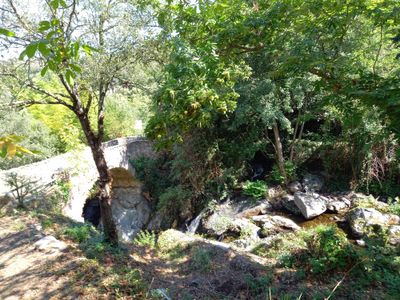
<point x="201" y="259"/>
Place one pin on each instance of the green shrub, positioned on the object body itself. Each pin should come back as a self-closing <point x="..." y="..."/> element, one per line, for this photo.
<point x="394" y="206"/>
<point x="154" y="173"/>
<point x="328" y="249"/>
<point x="145" y="238"/>
<point x="256" y="189"/>
<point x="79" y="233"/>
<point x="201" y="260"/>
<point x="174" y="198"/>
<point x="277" y="177"/>
<point x="257" y="285"/>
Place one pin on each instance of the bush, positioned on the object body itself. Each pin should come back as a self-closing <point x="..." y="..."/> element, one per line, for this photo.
<point x="79" y="233"/>
<point x="256" y="189"/>
<point x="394" y="206"/>
<point x="145" y="238"/>
<point x="174" y="198"/>
<point x="328" y="249"/>
<point x="290" y="169"/>
<point x="154" y="173"/>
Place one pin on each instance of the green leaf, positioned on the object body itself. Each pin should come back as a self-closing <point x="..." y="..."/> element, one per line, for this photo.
<point x="43" y="49"/>
<point x="76" y="68"/>
<point x="50" y="35"/>
<point x="44" y="25"/>
<point x="69" y="75"/>
<point x="22" y="55"/>
<point x="54" y="4"/>
<point x="63" y="3"/>
<point x="55" y="22"/>
<point x="87" y="49"/>
<point x="52" y="65"/>
<point x="76" y="49"/>
<point x="44" y="71"/>
<point x="30" y="50"/>
<point x="6" y="32"/>
<point x="3" y="151"/>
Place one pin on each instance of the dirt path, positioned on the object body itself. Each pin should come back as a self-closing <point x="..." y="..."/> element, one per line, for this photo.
<point x="24" y="271"/>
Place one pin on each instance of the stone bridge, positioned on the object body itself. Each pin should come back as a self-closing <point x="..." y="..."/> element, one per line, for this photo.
<point x="82" y="172"/>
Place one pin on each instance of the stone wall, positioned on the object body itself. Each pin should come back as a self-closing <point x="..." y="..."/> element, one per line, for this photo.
<point x="80" y="166"/>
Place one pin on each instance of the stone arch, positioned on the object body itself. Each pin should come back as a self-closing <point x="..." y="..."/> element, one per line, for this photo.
<point x="123" y="178"/>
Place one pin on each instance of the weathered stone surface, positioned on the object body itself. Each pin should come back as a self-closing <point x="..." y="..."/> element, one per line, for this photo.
<point x="337" y="206"/>
<point x="50" y="244"/>
<point x="261" y="208"/>
<point x="361" y="218"/>
<point x="6" y="199"/>
<point x="394" y="234"/>
<point x="312" y="183"/>
<point x="275" y="223"/>
<point x="295" y="187"/>
<point x="288" y="204"/>
<point x="131" y="211"/>
<point x="224" y="216"/>
<point x="310" y="205"/>
<point x="217" y="223"/>
<point x="246" y="229"/>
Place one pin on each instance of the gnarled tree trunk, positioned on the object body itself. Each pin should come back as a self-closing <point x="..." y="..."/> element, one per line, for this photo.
<point x="105" y="180"/>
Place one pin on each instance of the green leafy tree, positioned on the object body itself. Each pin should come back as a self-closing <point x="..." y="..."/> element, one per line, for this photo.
<point x="87" y="46"/>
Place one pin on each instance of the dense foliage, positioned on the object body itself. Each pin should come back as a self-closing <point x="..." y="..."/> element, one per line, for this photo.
<point x="312" y="85"/>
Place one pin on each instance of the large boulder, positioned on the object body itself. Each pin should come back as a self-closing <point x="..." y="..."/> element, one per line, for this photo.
<point x="360" y="219"/>
<point x="310" y="205"/>
<point x="294" y="187"/>
<point x="131" y="211"/>
<point x="223" y="217"/>
<point x="288" y="204"/>
<point x="274" y="224"/>
<point x="338" y="204"/>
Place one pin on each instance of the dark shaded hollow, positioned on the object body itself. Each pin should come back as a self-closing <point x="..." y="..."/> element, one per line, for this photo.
<point x="91" y="211"/>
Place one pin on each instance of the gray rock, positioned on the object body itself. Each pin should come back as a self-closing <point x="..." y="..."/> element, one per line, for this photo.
<point x="346" y="201"/>
<point x="6" y="199"/>
<point x="337" y="206"/>
<point x="310" y="205"/>
<point x="246" y="229"/>
<point x="258" y="209"/>
<point x="288" y="204"/>
<point x="275" y="223"/>
<point x="50" y="244"/>
<point x="217" y="223"/>
<point x="156" y="222"/>
<point x="362" y="218"/>
<point x="312" y="183"/>
<point x="223" y="217"/>
<point x="360" y="243"/>
<point x="294" y="187"/>
<point x="394" y="234"/>
<point x="131" y="211"/>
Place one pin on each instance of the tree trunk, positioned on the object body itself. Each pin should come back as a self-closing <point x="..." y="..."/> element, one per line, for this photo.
<point x="279" y="152"/>
<point x="105" y="184"/>
<point x="105" y="180"/>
